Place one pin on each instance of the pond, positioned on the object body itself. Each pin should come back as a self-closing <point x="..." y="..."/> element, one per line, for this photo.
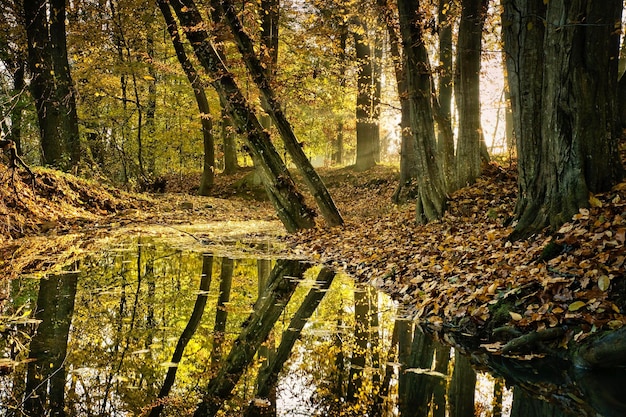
<point x="148" y="328"/>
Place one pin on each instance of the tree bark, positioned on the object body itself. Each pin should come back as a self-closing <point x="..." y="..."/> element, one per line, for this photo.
<point x="445" y="87"/>
<point x="467" y="91"/>
<point x="563" y="91"/>
<point x="432" y="196"/>
<point x="51" y="84"/>
<point x="221" y="312"/>
<point x="276" y="178"/>
<point x="208" y="171"/>
<point x="418" y="388"/>
<point x="45" y="384"/>
<point x="462" y="387"/>
<point x="271" y="105"/>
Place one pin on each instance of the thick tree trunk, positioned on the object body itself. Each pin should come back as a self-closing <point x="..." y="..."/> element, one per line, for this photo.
<point x="462" y="387"/>
<point x="66" y="94"/>
<point x="208" y="171"/>
<point x="467" y="91"/>
<point x="416" y="392"/>
<point x="271" y="105"/>
<point x="432" y="196"/>
<point x="445" y="87"/>
<point x="525" y="405"/>
<point x="45" y="383"/>
<point x="281" y="287"/>
<point x="563" y="93"/>
<point x="51" y="84"/>
<point x="276" y="178"/>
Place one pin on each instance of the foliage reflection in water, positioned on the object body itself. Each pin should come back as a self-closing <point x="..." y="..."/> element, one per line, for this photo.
<point x="148" y="329"/>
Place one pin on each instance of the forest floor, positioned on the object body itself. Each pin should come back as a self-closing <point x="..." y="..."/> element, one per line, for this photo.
<point x="460" y="276"/>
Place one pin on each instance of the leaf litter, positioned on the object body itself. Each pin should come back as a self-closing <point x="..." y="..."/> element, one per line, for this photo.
<point x="459" y="275"/>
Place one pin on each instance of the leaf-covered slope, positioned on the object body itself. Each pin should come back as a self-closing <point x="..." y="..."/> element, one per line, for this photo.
<point x="461" y="272"/>
<point x="56" y="200"/>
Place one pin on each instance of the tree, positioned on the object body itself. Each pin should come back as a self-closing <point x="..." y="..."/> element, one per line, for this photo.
<point x="432" y="196"/>
<point x="208" y="171"/>
<point x="467" y="90"/>
<point x="367" y="137"/>
<point x="272" y="107"/>
<point x="563" y="83"/>
<point x="13" y="58"/>
<point x="276" y="178"/>
<point x="51" y="83"/>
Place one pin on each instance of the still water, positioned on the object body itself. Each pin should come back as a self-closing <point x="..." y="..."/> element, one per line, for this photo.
<point x="144" y="328"/>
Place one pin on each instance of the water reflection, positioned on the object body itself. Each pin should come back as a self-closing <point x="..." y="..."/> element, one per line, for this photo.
<point x="145" y="329"/>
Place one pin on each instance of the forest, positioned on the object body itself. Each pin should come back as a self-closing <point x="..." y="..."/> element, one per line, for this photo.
<point x="463" y="157"/>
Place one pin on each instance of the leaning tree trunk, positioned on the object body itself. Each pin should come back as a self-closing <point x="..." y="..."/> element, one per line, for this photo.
<point x="273" y="108"/>
<point x="575" y="150"/>
<point x="432" y="196"/>
<point x="467" y="90"/>
<point x="276" y="178"/>
<point x="208" y="171"/>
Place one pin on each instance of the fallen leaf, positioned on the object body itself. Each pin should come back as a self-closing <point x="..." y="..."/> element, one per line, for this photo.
<point x="603" y="283"/>
<point x="576" y="305"/>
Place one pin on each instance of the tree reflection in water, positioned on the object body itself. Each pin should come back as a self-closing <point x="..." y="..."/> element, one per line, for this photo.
<point x="144" y="329"/>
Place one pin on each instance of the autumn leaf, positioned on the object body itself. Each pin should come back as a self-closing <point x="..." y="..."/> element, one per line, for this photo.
<point x="604" y="282"/>
<point x="515" y="316"/>
<point x="576" y="305"/>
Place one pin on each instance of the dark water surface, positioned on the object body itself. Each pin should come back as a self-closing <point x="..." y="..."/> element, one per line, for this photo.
<point x="145" y="328"/>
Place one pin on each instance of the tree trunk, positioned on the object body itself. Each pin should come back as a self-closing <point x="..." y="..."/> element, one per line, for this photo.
<point x="188" y="332"/>
<point x="343" y="40"/>
<point x="221" y="313"/>
<point x="268" y="376"/>
<point x="359" y="350"/>
<point x="51" y="84"/>
<point x="527" y="406"/>
<point x="272" y="107"/>
<point x="462" y="387"/>
<point x="432" y="196"/>
<point x="66" y="94"/>
<point x="230" y="144"/>
<point x="45" y="384"/>
<point x="276" y="178"/>
<point x="208" y="168"/>
<point x="17" y="108"/>
<point x="281" y="287"/>
<point x="445" y="87"/>
<point x="418" y="388"/>
<point x="442" y="356"/>
<point x="408" y="152"/>
<point x="366" y="126"/>
<point x="563" y="92"/>
<point x="467" y="91"/>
